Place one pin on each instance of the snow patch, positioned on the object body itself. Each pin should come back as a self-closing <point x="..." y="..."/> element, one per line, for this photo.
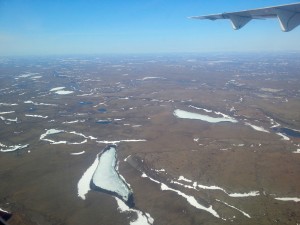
<point x="62" y="92"/>
<point x="245" y="214"/>
<point x="125" y="160"/>
<point x="184" y="179"/>
<point x="83" y="185"/>
<point x="151" y="78"/>
<point x="288" y="199"/>
<point x="119" y="141"/>
<point x="142" y="218"/>
<point x="9" y="112"/>
<point x="38" y="116"/>
<point x="284" y="137"/>
<point x="73" y="121"/>
<point x="242" y="195"/>
<point x="4" y="210"/>
<point x="36" y="103"/>
<point x="8" y="104"/>
<point x="297" y="151"/>
<point x="190" y="199"/>
<point x="12" y="148"/>
<point x="57" y="88"/>
<point x="257" y="128"/>
<point x="78" y="153"/>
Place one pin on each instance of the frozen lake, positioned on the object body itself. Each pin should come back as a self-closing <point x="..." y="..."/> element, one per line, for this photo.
<point x="107" y="179"/>
<point x="196" y="116"/>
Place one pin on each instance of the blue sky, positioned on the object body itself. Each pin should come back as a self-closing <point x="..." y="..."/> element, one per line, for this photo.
<point x="34" y="27"/>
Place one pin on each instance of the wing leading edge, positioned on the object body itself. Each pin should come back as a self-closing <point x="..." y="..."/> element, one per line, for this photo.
<point x="287" y="15"/>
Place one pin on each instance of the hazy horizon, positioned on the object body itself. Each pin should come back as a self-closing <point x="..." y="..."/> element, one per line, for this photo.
<point x="117" y="27"/>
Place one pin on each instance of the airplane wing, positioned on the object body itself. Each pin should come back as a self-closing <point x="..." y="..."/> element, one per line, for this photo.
<point x="288" y="16"/>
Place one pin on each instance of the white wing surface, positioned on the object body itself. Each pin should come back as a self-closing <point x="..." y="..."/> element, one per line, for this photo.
<point x="287" y="15"/>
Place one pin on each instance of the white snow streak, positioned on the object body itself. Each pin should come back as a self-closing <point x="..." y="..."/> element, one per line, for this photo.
<point x="297" y="151"/>
<point x="63" y="92"/>
<point x="2" y="113"/>
<point x="245" y="214"/>
<point x="184" y="179"/>
<point x="190" y="199"/>
<point x="12" y="148"/>
<point x="78" y="153"/>
<point x="57" y="88"/>
<point x="38" y="116"/>
<point x="288" y="199"/>
<point x="36" y="103"/>
<point x="257" y="128"/>
<point x="243" y="195"/>
<point x="117" y="142"/>
<point x="84" y="182"/>
<point x="142" y="218"/>
<point x="286" y="138"/>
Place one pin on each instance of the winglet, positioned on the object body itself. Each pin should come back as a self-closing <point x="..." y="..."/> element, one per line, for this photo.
<point x="288" y="20"/>
<point x="288" y="16"/>
<point x="238" y="21"/>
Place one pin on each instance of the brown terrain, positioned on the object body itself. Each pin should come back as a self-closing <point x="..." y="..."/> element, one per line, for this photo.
<point x="132" y="97"/>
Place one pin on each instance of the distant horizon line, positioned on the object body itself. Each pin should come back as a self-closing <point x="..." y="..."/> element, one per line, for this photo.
<point x="149" y="53"/>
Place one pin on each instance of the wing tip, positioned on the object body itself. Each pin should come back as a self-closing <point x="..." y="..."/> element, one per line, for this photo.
<point x="210" y="17"/>
<point x="195" y="17"/>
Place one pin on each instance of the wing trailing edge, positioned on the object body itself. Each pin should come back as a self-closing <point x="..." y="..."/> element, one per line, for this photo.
<point x="287" y="15"/>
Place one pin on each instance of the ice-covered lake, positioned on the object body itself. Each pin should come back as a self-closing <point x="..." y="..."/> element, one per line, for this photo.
<point x="107" y="179"/>
<point x="196" y="116"/>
